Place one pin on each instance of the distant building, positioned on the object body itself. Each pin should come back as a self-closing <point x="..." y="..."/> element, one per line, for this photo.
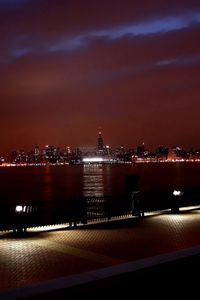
<point x="140" y="149"/>
<point x="100" y="144"/>
<point x="177" y="153"/>
<point x="162" y="152"/>
<point x="172" y="154"/>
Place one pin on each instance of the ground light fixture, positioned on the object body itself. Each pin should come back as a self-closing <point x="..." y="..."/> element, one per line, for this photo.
<point x="20" y="208"/>
<point x="177" y="193"/>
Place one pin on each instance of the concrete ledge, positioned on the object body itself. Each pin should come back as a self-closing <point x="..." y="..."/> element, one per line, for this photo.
<point x="74" y="282"/>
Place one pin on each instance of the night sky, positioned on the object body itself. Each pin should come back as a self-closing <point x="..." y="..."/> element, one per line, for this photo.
<point x="68" y="68"/>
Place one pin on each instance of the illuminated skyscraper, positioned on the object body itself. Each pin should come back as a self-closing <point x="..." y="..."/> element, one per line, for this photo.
<point x="100" y="145"/>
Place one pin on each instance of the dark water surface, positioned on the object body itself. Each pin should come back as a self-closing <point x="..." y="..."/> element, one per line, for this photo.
<point x="32" y="184"/>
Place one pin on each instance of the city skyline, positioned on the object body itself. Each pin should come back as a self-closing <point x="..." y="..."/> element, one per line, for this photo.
<point x="100" y="144"/>
<point x="101" y="148"/>
<point x="130" y="68"/>
<point x="94" y="145"/>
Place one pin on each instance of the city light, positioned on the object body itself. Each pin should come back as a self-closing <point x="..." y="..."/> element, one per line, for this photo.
<point x="92" y="159"/>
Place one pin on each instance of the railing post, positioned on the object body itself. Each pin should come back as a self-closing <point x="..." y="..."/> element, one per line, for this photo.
<point x="177" y="195"/>
<point x="132" y="192"/>
<point x="136" y="204"/>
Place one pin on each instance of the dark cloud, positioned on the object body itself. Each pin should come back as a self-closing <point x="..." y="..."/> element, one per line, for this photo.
<point x="12" y="4"/>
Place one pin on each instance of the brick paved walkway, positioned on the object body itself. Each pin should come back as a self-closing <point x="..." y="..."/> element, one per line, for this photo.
<point x="45" y="255"/>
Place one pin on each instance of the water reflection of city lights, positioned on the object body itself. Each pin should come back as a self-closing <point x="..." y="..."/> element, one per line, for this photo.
<point x="93" y="184"/>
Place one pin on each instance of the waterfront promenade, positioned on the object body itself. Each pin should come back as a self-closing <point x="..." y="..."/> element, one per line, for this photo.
<point x="92" y="259"/>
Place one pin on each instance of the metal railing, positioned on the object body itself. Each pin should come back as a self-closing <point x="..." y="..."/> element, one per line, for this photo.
<point x="19" y="217"/>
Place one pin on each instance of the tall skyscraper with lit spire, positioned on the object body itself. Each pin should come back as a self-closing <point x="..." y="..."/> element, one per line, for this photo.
<point x="100" y="144"/>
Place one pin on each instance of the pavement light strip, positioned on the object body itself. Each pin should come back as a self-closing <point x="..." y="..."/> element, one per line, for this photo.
<point x="91" y="276"/>
<point x="81" y="253"/>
